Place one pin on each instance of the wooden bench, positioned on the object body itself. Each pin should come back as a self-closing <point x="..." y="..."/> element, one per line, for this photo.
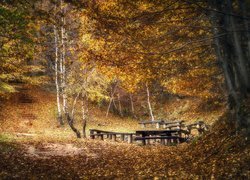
<point x="173" y="124"/>
<point x="199" y="125"/>
<point x="111" y="135"/>
<point x="164" y="139"/>
<point x="156" y="122"/>
<point x="144" y="135"/>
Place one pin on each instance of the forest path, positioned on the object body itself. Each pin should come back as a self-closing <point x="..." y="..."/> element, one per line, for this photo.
<point x="57" y="149"/>
<point x="42" y="150"/>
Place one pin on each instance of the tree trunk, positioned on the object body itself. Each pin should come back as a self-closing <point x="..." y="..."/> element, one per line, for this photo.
<point x="59" y="115"/>
<point x="74" y="105"/>
<point x="132" y="105"/>
<point x="62" y="60"/>
<point x="111" y="99"/>
<point x="230" y="54"/>
<point x="242" y="6"/>
<point x="114" y="103"/>
<point x="240" y="61"/>
<point x="84" y="115"/>
<point x="120" y="106"/>
<point x="70" y="119"/>
<point x="71" y="124"/>
<point x="149" y="104"/>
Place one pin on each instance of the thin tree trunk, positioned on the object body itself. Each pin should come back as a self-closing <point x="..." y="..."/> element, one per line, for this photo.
<point x="62" y="61"/>
<point x="111" y="99"/>
<point x="132" y="105"/>
<point x="84" y="115"/>
<point x="120" y="106"/>
<point x="74" y="105"/>
<point x="149" y="104"/>
<point x="70" y="119"/>
<point x="71" y="124"/>
<point x="241" y="61"/>
<point x="59" y="115"/>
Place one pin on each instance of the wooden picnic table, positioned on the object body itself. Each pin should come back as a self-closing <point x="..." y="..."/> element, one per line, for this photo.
<point x="199" y="125"/>
<point x="173" y="122"/>
<point x="111" y="135"/>
<point x="156" y="122"/>
<point x="143" y="135"/>
<point x="165" y="123"/>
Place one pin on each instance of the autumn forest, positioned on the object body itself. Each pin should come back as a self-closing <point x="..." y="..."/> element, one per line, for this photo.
<point x="124" y="89"/>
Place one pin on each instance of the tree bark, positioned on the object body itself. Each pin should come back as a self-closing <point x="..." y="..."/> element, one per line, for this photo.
<point x="242" y="6"/>
<point x="232" y="58"/>
<point x="71" y="124"/>
<point x="132" y="105"/>
<point x="240" y="61"/>
<point x="84" y="115"/>
<point x="62" y="57"/>
<point x="74" y="105"/>
<point x="59" y="112"/>
<point x="111" y="99"/>
<point x="120" y="106"/>
<point x="70" y="119"/>
<point x="149" y="104"/>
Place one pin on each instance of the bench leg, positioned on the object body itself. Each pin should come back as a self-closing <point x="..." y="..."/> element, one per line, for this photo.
<point x="163" y="141"/>
<point x="166" y="141"/>
<point x="143" y="142"/>
<point x="91" y="134"/>
<point x="110" y="136"/>
<point x="130" y="139"/>
<point x="101" y="137"/>
<point x="122" y="137"/>
<point x="114" y="137"/>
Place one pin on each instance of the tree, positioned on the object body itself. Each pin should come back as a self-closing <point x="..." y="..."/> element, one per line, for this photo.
<point x="229" y="50"/>
<point x="17" y="42"/>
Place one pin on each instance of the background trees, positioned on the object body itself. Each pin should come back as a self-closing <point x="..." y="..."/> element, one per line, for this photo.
<point x="17" y="52"/>
<point x="142" y="49"/>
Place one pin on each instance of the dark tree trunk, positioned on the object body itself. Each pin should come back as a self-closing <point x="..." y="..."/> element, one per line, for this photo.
<point x="71" y="125"/>
<point x="84" y="115"/>
<point x="229" y="51"/>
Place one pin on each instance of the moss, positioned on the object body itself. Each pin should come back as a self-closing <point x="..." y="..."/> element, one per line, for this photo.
<point x="6" y="138"/>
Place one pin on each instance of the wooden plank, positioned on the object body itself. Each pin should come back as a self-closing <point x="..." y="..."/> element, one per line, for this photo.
<point x="151" y="122"/>
<point x="93" y="131"/>
<point x="173" y="122"/>
<point x="156" y="132"/>
<point x="157" y="137"/>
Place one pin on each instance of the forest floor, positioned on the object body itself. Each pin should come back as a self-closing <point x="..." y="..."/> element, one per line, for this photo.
<point x="32" y="146"/>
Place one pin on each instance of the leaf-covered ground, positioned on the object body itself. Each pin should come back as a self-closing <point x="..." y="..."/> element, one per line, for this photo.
<point x="33" y="147"/>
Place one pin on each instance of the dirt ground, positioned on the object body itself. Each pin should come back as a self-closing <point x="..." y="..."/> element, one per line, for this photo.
<point x="32" y="146"/>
